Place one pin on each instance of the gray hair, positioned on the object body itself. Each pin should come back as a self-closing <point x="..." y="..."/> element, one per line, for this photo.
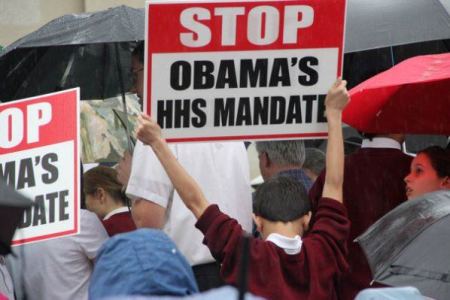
<point x="289" y="152"/>
<point x="314" y="161"/>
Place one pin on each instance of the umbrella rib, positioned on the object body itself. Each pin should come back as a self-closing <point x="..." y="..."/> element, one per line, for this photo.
<point x="398" y="252"/>
<point x="421" y="273"/>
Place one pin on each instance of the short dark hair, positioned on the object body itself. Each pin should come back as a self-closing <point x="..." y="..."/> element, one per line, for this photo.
<point x="439" y="158"/>
<point x="281" y="199"/>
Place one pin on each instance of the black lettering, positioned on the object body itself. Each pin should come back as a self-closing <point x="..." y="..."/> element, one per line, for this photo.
<point x="309" y="99"/>
<point x="256" y="75"/>
<point x="224" y="112"/>
<point x="165" y="113"/>
<point x="26" y="174"/>
<point x="26" y="218"/>
<point x="280" y="73"/>
<point x="180" y="75"/>
<point x="52" y="170"/>
<point x="261" y="110"/>
<point x="311" y="76"/>
<point x="226" y="75"/>
<point x="39" y="211"/>
<point x="321" y="118"/>
<point x="277" y="110"/>
<point x="63" y="204"/>
<point x="244" y="114"/>
<point x="294" y="112"/>
<point x="182" y="113"/>
<point x="51" y="206"/>
<point x="8" y="173"/>
<point x="200" y="119"/>
<point x="203" y="78"/>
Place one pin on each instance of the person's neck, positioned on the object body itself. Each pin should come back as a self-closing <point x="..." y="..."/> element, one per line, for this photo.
<point x="278" y="169"/>
<point x="289" y="229"/>
<point x="113" y="206"/>
<point x="400" y="138"/>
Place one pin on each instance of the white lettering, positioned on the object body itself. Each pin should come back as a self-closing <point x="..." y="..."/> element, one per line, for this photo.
<point x="200" y="34"/>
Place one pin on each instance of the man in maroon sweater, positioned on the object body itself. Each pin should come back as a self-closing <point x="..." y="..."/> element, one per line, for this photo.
<point x="373" y="185"/>
<point x="283" y="266"/>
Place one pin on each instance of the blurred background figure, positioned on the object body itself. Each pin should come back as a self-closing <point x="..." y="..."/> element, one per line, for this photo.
<point x="430" y="171"/>
<point x="314" y="163"/>
<point x="58" y="268"/>
<point x="373" y="186"/>
<point x="6" y="283"/>
<point x="105" y="197"/>
<point x="283" y="158"/>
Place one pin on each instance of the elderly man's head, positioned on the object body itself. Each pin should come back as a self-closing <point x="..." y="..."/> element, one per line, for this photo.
<point x="276" y="156"/>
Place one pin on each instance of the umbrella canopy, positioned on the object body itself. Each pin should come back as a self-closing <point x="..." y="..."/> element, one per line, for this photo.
<point x="89" y="50"/>
<point x="410" y="245"/>
<point x="118" y="24"/>
<point x="412" y="97"/>
<point x="382" y="23"/>
<point x="12" y="206"/>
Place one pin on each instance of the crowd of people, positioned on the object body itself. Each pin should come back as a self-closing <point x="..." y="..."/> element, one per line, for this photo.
<point x="172" y="219"/>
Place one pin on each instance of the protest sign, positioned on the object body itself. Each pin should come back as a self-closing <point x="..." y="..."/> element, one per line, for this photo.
<point x="39" y="157"/>
<point x="230" y="70"/>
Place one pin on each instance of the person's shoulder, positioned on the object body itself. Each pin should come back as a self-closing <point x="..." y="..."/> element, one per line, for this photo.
<point x="90" y="223"/>
<point x="88" y="216"/>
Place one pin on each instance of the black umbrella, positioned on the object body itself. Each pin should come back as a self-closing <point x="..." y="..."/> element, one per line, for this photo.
<point x="410" y="245"/>
<point x="386" y="23"/>
<point x="12" y="206"/>
<point x="90" y="50"/>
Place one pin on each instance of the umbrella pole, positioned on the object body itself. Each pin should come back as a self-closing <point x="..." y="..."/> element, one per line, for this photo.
<point x="122" y="90"/>
<point x="392" y="56"/>
<point x="243" y="268"/>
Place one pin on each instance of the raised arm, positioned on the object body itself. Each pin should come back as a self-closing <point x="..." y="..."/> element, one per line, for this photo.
<point x="149" y="133"/>
<point x="335" y="102"/>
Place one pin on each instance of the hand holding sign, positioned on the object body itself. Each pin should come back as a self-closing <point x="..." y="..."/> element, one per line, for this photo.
<point x="337" y="97"/>
<point x="148" y="131"/>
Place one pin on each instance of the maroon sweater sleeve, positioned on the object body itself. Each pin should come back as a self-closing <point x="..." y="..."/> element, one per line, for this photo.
<point x="327" y="239"/>
<point x="222" y="233"/>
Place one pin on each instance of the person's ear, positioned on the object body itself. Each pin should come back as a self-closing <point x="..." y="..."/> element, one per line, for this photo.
<point x="305" y="221"/>
<point x="267" y="161"/>
<point x="101" y="195"/>
<point x="258" y="221"/>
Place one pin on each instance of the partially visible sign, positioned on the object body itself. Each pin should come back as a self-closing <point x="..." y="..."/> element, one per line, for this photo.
<point x="230" y="70"/>
<point x="39" y="157"/>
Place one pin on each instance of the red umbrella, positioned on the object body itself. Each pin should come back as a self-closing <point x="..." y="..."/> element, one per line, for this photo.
<point x="411" y="97"/>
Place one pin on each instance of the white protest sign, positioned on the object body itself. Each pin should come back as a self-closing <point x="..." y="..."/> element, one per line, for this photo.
<point x="39" y="157"/>
<point x="240" y="70"/>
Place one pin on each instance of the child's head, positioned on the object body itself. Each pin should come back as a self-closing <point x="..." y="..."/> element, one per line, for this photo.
<point x="282" y="200"/>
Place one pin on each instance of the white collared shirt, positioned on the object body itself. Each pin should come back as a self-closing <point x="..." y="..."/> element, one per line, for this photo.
<point x="116" y="211"/>
<point x="220" y="168"/>
<point x="381" y="142"/>
<point x="291" y="246"/>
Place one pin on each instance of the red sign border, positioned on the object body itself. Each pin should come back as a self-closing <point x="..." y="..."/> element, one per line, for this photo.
<point x="77" y="186"/>
<point x="147" y="66"/>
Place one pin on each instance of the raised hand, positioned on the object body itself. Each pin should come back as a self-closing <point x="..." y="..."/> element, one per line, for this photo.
<point x="337" y="97"/>
<point x="148" y="131"/>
